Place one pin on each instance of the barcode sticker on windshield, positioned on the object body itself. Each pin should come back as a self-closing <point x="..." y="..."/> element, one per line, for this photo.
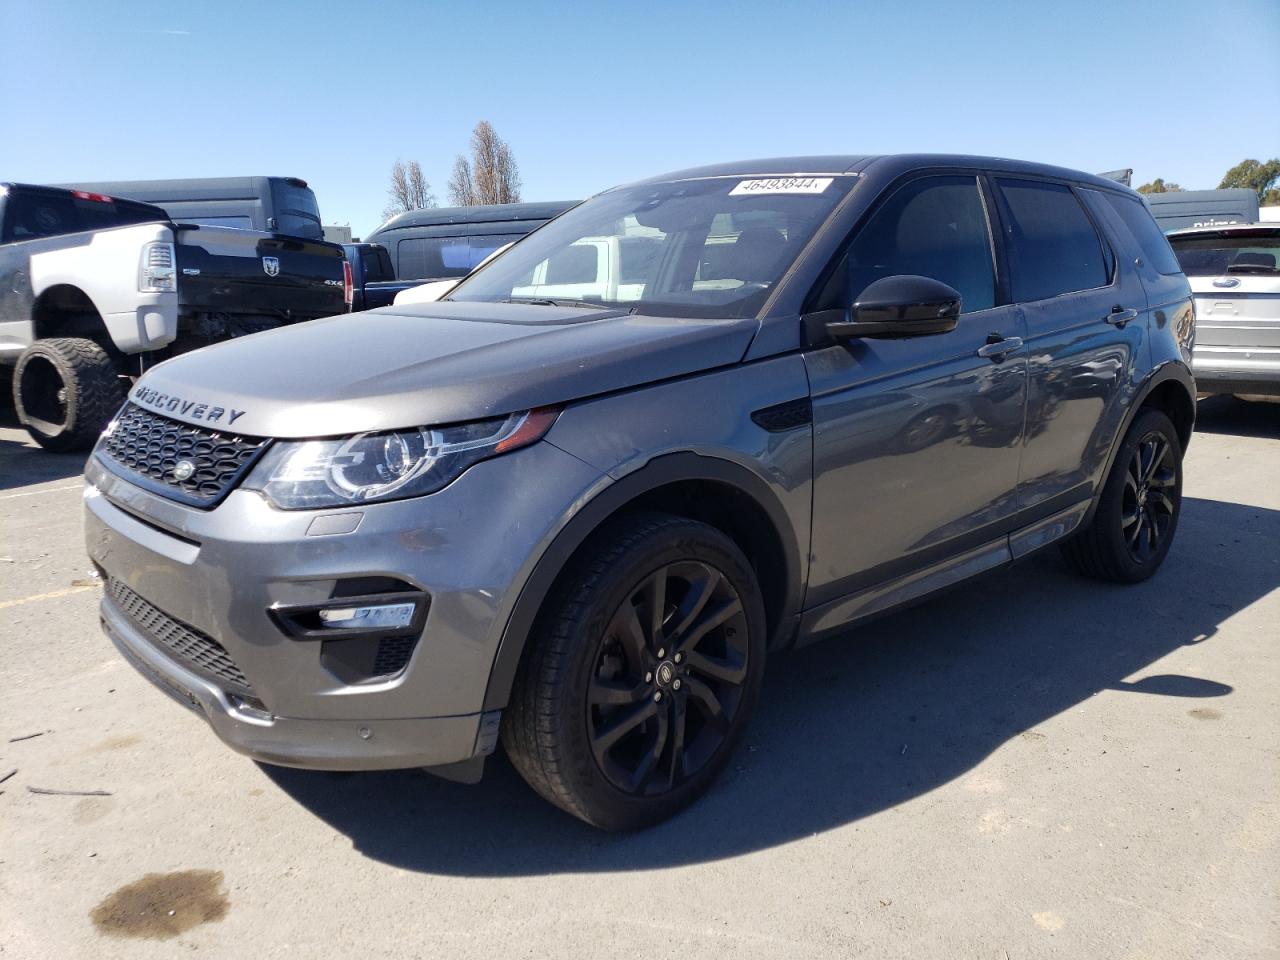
<point x="782" y="185"/>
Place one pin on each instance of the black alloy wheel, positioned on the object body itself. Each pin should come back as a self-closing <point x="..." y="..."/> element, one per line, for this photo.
<point x="669" y="678"/>
<point x="1147" y="506"/>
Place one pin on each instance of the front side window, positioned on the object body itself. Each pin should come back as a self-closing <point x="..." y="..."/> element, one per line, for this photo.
<point x="712" y="247"/>
<point x="935" y="227"/>
<point x="1053" y="247"/>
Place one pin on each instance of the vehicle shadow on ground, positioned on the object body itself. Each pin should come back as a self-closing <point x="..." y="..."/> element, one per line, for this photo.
<point x="23" y="463"/>
<point x="856" y="725"/>
<point x="1241" y="418"/>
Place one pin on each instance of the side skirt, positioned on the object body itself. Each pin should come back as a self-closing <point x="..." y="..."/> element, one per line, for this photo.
<point x="840" y="614"/>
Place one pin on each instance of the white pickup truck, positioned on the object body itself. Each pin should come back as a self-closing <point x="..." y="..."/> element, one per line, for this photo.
<point x="94" y="289"/>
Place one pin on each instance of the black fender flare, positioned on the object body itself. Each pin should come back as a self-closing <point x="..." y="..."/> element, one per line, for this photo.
<point x="1169" y="371"/>
<point x="659" y="472"/>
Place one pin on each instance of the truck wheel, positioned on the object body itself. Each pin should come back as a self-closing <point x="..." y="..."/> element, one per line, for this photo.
<point x="641" y="675"/>
<point x="1137" y="515"/>
<point x="65" y="390"/>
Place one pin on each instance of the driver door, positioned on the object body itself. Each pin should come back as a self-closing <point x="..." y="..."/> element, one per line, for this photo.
<point x="916" y="440"/>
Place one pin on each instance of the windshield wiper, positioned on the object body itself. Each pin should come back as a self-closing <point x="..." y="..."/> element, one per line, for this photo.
<point x="550" y="302"/>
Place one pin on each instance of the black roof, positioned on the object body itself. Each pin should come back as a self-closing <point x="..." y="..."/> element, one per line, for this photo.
<point x="839" y="163"/>
<point x="481" y="213"/>
<point x="47" y="188"/>
<point x="194" y="188"/>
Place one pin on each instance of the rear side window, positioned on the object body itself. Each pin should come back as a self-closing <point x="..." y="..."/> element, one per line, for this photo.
<point x="377" y="266"/>
<point x="1151" y="240"/>
<point x="935" y="227"/>
<point x="436" y="258"/>
<point x="1052" y="244"/>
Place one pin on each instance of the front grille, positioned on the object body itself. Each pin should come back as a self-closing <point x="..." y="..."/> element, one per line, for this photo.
<point x="188" y="645"/>
<point x="150" y="447"/>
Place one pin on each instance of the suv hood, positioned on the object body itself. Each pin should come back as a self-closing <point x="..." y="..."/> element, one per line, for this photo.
<point x="427" y="364"/>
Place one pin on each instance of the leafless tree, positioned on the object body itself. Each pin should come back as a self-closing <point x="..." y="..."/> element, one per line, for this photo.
<point x="490" y="176"/>
<point x="462" y="186"/>
<point x="409" y="189"/>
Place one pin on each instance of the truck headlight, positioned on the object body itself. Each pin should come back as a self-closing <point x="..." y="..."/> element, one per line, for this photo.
<point x="387" y="465"/>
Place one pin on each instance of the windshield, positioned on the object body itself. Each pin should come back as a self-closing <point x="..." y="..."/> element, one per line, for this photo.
<point x="1214" y="256"/>
<point x="713" y="247"/>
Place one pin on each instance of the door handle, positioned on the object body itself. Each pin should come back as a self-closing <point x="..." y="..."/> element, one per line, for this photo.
<point x="1119" y="316"/>
<point x="997" y="350"/>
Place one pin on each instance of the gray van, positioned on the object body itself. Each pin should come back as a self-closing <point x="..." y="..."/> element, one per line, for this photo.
<point x="576" y="511"/>
<point x="284" y="205"/>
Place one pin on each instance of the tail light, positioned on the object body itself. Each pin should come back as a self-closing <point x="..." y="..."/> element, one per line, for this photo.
<point x="156" y="273"/>
<point x="95" y="197"/>
<point x="348" y="286"/>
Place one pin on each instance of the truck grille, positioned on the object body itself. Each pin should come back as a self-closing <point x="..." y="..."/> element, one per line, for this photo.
<point x="149" y="447"/>
<point x="188" y="645"/>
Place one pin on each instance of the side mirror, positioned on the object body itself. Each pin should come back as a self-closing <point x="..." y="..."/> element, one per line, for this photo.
<point x="902" y="306"/>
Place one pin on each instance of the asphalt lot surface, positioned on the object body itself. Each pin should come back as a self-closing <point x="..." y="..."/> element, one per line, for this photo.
<point x="1032" y="765"/>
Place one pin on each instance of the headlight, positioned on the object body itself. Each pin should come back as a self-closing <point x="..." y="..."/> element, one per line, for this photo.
<point x="388" y="465"/>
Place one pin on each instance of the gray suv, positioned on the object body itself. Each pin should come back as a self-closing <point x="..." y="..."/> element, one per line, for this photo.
<point x="691" y="422"/>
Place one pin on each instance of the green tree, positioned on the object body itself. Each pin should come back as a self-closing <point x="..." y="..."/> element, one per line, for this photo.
<point x="1159" y="186"/>
<point x="1259" y="177"/>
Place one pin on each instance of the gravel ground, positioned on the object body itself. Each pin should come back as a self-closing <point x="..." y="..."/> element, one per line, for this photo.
<point x="1031" y="766"/>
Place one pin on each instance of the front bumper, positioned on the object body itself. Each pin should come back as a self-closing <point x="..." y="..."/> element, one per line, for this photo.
<point x="469" y="547"/>
<point x="293" y="742"/>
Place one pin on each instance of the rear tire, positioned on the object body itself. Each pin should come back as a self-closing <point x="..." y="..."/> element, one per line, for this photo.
<point x="66" y="390"/>
<point x="641" y="675"/>
<point x="1137" y="515"/>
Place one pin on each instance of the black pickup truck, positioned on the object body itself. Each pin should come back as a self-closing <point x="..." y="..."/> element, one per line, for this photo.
<point x="94" y="289"/>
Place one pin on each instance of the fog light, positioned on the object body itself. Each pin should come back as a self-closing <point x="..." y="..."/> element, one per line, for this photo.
<point x="376" y="614"/>
<point x="386" y="616"/>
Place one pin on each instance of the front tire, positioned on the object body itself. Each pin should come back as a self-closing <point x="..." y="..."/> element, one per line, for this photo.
<point x="1137" y="516"/>
<point x="66" y="390"/>
<point x="641" y="675"/>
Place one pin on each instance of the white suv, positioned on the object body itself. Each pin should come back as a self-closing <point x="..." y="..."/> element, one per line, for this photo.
<point x="1235" y="275"/>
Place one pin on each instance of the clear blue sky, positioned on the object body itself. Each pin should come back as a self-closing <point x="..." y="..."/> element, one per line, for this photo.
<point x="596" y="94"/>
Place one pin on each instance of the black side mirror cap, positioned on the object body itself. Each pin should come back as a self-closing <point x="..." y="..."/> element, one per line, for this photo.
<point x="900" y="306"/>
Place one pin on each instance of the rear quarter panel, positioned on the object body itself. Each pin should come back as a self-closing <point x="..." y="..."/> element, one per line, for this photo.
<point x="103" y="265"/>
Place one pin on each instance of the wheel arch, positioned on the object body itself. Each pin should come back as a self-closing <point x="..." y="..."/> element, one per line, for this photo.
<point x="64" y="310"/>
<point x="720" y="492"/>
<point x="1171" y="389"/>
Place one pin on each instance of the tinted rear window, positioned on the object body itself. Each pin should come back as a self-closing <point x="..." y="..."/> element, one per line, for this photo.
<point x="297" y="213"/>
<point x="36" y="213"/>
<point x="1151" y="239"/>
<point x="1052" y="243"/>
<point x="1214" y="256"/>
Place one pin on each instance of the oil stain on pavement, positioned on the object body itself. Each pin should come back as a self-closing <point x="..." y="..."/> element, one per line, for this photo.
<point x="163" y="905"/>
<point x="1205" y="713"/>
